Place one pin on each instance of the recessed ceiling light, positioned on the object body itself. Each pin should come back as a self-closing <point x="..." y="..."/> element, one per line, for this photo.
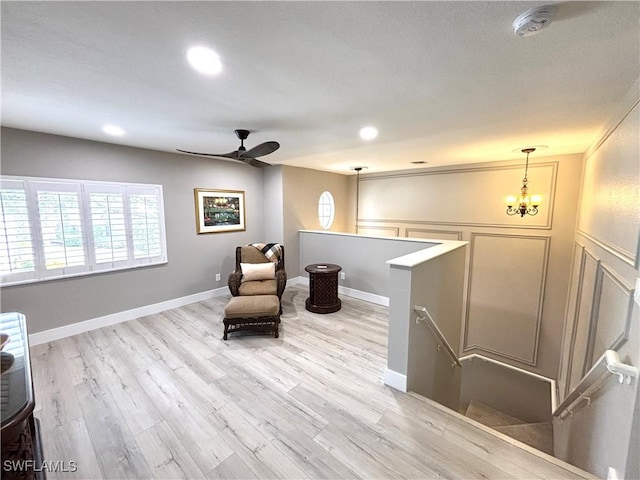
<point x="204" y="60"/>
<point x="368" y="133"/>
<point x="113" y="130"/>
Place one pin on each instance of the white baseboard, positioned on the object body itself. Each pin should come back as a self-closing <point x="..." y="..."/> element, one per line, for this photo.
<point x="119" y="317"/>
<point x="349" y="292"/>
<point x="395" y="380"/>
<point x="366" y="296"/>
<point x="125" y="316"/>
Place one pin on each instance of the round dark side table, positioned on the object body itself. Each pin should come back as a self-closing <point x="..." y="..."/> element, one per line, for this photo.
<point x="323" y="288"/>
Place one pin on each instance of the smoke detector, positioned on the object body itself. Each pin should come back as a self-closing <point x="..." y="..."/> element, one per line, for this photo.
<point x="533" y="20"/>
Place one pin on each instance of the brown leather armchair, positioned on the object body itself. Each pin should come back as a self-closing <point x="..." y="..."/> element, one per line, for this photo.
<point x="250" y="254"/>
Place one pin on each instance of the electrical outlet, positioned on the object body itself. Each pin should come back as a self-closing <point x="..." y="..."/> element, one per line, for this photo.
<point x="612" y="474"/>
<point x="343" y="275"/>
<point x="217" y="277"/>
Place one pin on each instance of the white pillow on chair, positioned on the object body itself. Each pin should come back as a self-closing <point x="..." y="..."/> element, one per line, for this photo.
<point x="258" y="271"/>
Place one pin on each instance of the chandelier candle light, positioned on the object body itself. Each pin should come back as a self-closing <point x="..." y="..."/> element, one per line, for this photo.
<point x="524" y="204"/>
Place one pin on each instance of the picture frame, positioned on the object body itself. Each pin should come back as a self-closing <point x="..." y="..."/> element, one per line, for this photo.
<point x="219" y="211"/>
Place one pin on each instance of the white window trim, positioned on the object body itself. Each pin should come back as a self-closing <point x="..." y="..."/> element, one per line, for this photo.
<point x="84" y="188"/>
<point x="332" y="210"/>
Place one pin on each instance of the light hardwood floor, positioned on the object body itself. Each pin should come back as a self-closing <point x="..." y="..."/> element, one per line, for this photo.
<point x="164" y="397"/>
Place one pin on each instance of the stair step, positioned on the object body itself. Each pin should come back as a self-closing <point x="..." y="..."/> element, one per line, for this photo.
<point x="490" y="416"/>
<point x="536" y="435"/>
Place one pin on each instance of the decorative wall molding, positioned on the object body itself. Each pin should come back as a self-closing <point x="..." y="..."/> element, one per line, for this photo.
<point x="467" y="346"/>
<point x="372" y="230"/>
<point x="627" y="257"/>
<point x="572" y="317"/>
<point x="606" y="278"/>
<point x="581" y="356"/>
<point x="455" y="224"/>
<point x="449" y="171"/>
<point x="630" y="103"/>
<point x="454" y="233"/>
<point x="613" y="126"/>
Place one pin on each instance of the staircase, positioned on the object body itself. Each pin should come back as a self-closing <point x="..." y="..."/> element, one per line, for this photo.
<point x="536" y="435"/>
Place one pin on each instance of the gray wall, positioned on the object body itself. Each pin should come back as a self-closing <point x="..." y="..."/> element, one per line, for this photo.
<point x="601" y="313"/>
<point x="438" y="286"/>
<point x="363" y="259"/>
<point x="193" y="259"/>
<point x="434" y="279"/>
<point x="517" y="268"/>
<point x="516" y="394"/>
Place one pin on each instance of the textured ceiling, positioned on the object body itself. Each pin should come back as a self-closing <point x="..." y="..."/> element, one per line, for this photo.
<point x="444" y="82"/>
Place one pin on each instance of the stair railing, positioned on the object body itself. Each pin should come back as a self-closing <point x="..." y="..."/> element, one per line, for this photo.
<point x="423" y="315"/>
<point x="608" y="363"/>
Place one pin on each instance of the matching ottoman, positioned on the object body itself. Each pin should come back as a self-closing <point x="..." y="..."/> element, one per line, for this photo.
<point x="258" y="313"/>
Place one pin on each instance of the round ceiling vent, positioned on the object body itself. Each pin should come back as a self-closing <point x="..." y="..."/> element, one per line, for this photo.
<point x="532" y="21"/>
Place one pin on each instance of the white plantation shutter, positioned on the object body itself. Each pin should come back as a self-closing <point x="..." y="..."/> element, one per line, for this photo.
<point x="60" y="223"/>
<point x="108" y="233"/>
<point x="147" y="224"/>
<point x="59" y="228"/>
<point x="17" y="258"/>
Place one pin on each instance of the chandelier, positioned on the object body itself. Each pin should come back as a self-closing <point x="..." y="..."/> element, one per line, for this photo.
<point x="524" y="204"/>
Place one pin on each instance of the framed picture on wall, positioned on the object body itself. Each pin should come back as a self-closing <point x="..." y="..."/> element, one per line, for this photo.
<point x="219" y="211"/>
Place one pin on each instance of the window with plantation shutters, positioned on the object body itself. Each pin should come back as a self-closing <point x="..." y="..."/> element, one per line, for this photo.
<point x="16" y="246"/>
<point x="58" y="228"/>
<point x="146" y="225"/>
<point x="109" y="227"/>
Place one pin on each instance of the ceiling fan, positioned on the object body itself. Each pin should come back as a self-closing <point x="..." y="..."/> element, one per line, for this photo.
<point x="242" y="154"/>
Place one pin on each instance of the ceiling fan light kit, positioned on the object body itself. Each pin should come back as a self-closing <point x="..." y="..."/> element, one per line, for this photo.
<point x="533" y="20"/>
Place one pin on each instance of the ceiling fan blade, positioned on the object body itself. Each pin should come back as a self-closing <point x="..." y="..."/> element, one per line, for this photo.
<point x="233" y="155"/>
<point x="259" y="150"/>
<point x="255" y="162"/>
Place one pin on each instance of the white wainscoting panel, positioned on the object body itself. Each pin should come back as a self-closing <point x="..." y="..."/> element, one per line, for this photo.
<point x="504" y="310"/>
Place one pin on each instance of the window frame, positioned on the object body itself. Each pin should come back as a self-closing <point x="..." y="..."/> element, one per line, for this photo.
<point x="84" y="189"/>
<point x="331" y="205"/>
